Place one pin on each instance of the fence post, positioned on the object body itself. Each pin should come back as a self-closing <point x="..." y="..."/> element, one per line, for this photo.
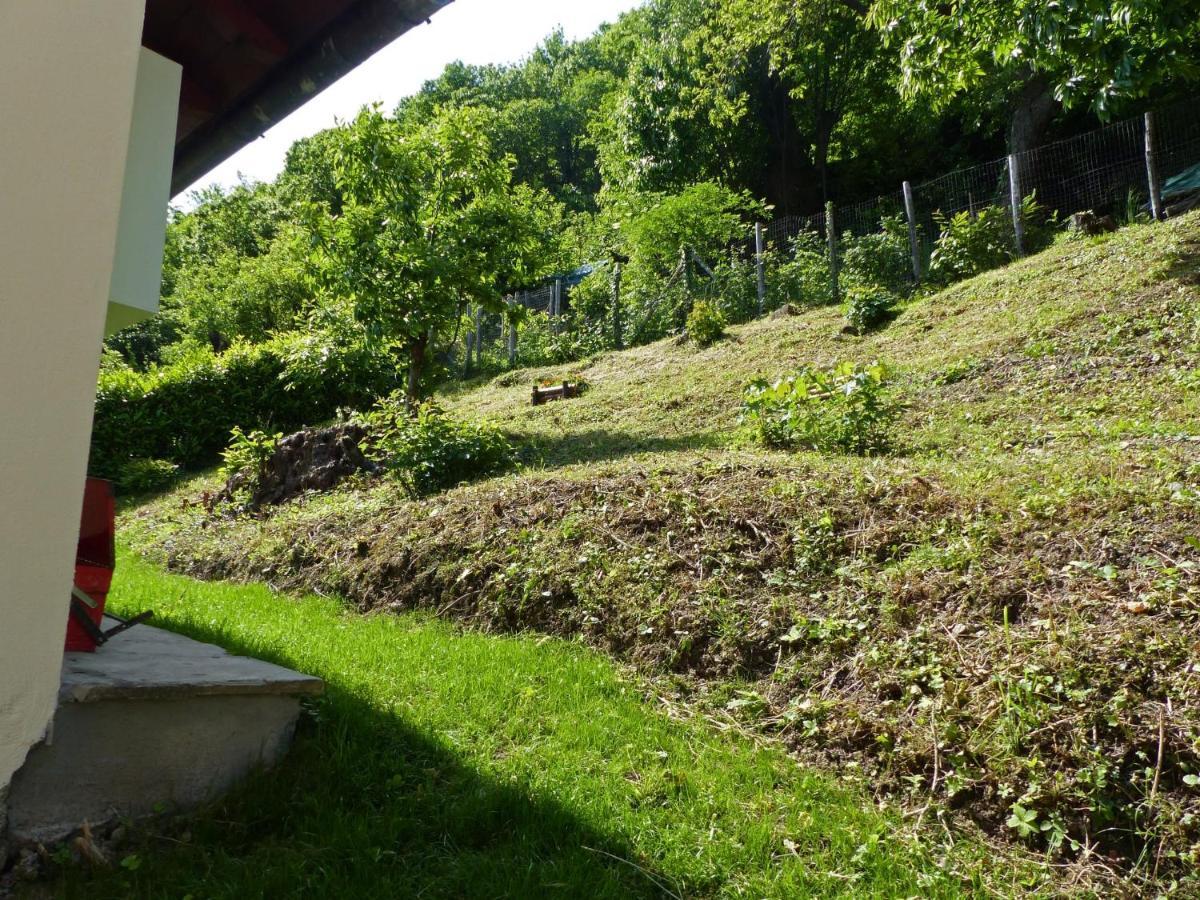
<point x="682" y="313"/>
<point x="760" y="267"/>
<point x="512" y="337"/>
<point x="470" y="342"/>
<point x="910" y="212"/>
<point x="1014" y="193"/>
<point x="1156" y="210"/>
<point x="618" y="335"/>
<point x="831" y="240"/>
<point x="555" y="304"/>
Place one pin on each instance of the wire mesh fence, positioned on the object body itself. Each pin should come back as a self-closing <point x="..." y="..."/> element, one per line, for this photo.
<point x="1126" y="170"/>
<point x="966" y="190"/>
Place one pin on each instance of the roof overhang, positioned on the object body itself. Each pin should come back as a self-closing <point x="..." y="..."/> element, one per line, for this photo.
<point x="247" y="64"/>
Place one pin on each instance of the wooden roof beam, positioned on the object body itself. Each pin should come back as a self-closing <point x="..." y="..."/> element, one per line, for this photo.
<point x="244" y="22"/>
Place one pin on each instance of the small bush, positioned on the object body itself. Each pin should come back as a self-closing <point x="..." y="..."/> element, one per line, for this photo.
<point x="883" y="258"/>
<point x="142" y="476"/>
<point x="430" y="451"/>
<point x="804" y="278"/>
<point x="969" y="245"/>
<point x="705" y="323"/>
<point x="846" y="409"/>
<point x="867" y="306"/>
<point x="546" y="341"/>
<point x="245" y="457"/>
<point x="734" y="285"/>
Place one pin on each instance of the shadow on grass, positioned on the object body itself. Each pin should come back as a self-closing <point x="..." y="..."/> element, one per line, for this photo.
<point x="1184" y="264"/>
<point x="366" y="806"/>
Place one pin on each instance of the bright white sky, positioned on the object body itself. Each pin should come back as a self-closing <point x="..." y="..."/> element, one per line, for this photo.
<point x="474" y="31"/>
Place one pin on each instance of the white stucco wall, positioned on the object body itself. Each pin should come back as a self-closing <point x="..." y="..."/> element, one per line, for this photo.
<point x="67" y="76"/>
<point x="137" y="270"/>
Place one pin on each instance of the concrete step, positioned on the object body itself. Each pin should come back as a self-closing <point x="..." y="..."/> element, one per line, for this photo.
<point x="152" y="719"/>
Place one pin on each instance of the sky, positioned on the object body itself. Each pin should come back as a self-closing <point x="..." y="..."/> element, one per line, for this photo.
<point x="474" y="31"/>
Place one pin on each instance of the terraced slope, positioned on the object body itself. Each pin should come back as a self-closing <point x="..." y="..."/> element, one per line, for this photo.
<point x="996" y="624"/>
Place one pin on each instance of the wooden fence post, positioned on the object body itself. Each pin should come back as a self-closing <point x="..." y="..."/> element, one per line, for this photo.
<point x="512" y="337"/>
<point x="760" y="267"/>
<point x="910" y="212"/>
<point x="470" y="342"/>
<point x="1156" y="210"/>
<point x="685" y="260"/>
<point x="618" y="334"/>
<point x="1014" y="194"/>
<point x="831" y="240"/>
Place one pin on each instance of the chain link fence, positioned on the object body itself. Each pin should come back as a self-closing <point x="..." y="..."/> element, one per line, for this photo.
<point x="1132" y="169"/>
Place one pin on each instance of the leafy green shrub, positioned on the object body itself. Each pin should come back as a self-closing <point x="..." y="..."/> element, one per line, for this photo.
<point x="867" y="306"/>
<point x="883" y="258"/>
<point x="705" y="323"/>
<point x="183" y="412"/>
<point x="969" y="245"/>
<point x="733" y="287"/>
<point x="141" y="345"/>
<point x="141" y="476"/>
<point x="1042" y="225"/>
<point x="845" y="409"/>
<point x="430" y="451"/>
<point x="543" y="341"/>
<point x="803" y="277"/>
<point x="247" y="454"/>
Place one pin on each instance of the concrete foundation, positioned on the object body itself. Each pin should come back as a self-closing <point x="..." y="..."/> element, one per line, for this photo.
<point x="152" y="720"/>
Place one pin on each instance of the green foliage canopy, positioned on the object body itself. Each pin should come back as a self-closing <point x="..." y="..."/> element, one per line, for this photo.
<point x="1091" y="52"/>
<point x="429" y="223"/>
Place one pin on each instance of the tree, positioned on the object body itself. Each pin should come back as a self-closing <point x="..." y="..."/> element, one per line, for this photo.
<point x="825" y="55"/>
<point x="543" y="108"/>
<point x="1028" y="57"/>
<point x="429" y="223"/>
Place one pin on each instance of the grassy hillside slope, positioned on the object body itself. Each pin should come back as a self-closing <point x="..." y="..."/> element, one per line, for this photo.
<point x="996" y="623"/>
<point x="443" y="765"/>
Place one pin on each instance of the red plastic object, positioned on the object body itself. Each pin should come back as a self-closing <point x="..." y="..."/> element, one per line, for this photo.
<point x="95" y="558"/>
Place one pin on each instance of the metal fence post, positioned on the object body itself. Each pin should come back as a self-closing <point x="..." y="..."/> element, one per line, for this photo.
<point x="910" y="212"/>
<point x="618" y="334"/>
<point x="1014" y="192"/>
<point x="1156" y="210"/>
<point x="555" y="305"/>
<point x="831" y="240"/>
<point x="760" y="267"/>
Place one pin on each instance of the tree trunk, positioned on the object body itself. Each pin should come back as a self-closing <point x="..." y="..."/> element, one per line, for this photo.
<point x="1033" y="110"/>
<point x="824" y="137"/>
<point x="416" y="364"/>
<point x="786" y="181"/>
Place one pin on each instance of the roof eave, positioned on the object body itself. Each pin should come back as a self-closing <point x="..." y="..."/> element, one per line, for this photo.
<point x="363" y="30"/>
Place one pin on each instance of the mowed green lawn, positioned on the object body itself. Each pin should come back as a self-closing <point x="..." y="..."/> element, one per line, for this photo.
<point x="444" y="764"/>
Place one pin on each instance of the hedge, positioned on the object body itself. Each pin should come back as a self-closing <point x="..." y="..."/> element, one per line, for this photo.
<point x="183" y="412"/>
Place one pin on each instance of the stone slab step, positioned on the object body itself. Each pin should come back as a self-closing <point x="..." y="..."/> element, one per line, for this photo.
<point x="152" y="720"/>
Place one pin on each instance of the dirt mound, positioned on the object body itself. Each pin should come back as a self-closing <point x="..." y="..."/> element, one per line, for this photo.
<point x="315" y="459"/>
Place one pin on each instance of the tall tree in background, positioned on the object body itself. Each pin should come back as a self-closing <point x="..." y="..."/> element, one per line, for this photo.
<point x="1029" y="57"/>
<point x="543" y="108"/>
<point x="429" y="223"/>
<point x="822" y="51"/>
